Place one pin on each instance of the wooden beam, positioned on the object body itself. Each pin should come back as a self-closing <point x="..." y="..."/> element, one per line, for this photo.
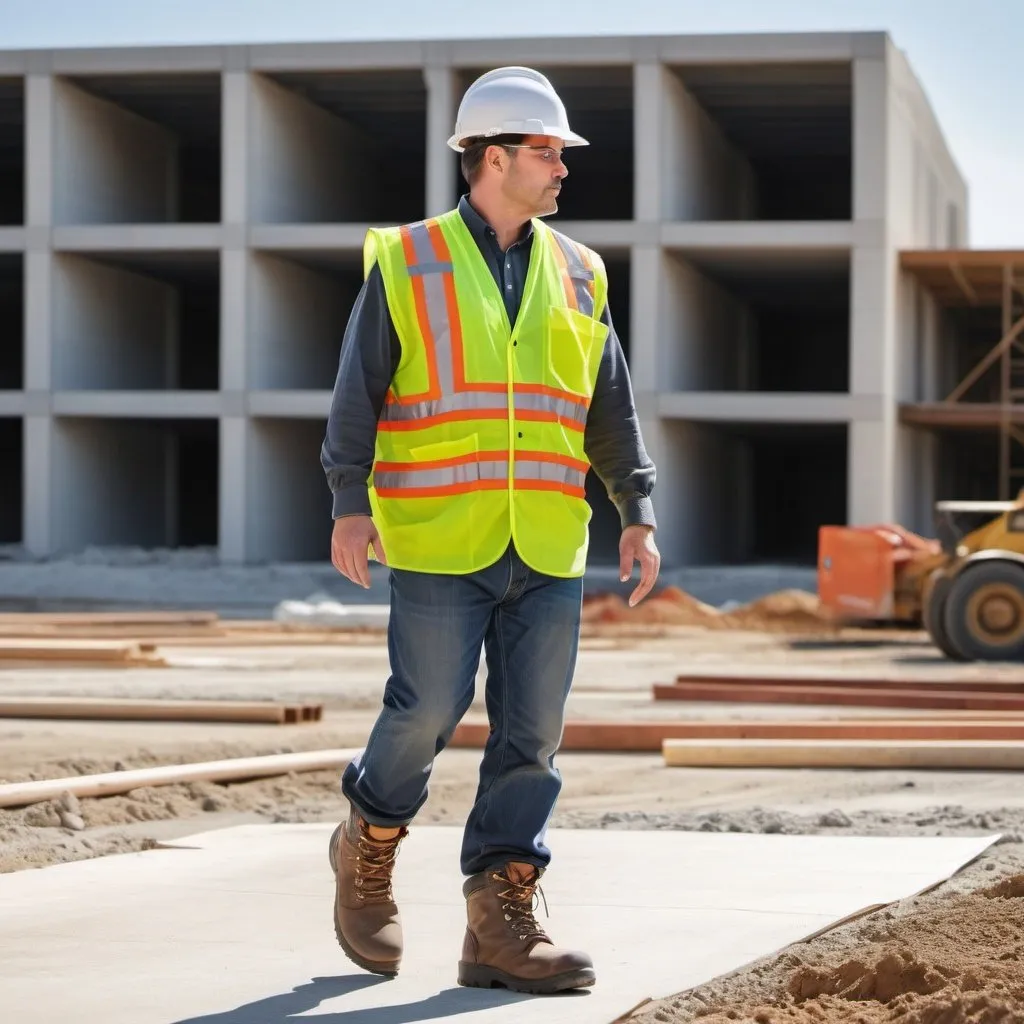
<point x="643" y="737"/>
<point x="921" y="754"/>
<point x="159" y="710"/>
<point x="22" y="794"/>
<point x="958" y="275"/>
<point x="102" y="652"/>
<point x="725" y="693"/>
<point x="859" y="682"/>
<point x="986" y="361"/>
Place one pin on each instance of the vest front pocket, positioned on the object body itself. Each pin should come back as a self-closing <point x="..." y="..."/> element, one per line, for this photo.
<point x="574" y="344"/>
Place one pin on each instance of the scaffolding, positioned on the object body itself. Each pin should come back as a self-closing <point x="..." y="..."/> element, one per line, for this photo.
<point x="990" y="394"/>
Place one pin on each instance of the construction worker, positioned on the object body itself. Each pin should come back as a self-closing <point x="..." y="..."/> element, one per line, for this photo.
<point x="480" y="377"/>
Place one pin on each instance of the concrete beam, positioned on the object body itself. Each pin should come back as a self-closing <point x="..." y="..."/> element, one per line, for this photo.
<point x="136" y="404"/>
<point x="764" y="407"/>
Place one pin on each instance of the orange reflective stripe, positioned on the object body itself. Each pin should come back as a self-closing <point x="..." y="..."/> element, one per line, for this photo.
<point x="422" y="319"/>
<point x="454" y="321"/>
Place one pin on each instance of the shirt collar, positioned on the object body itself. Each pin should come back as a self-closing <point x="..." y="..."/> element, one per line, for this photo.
<point x="480" y="229"/>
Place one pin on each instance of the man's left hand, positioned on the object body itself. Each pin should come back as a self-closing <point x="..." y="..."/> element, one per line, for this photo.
<point x="637" y="545"/>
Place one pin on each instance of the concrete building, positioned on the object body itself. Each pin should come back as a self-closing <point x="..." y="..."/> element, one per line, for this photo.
<point x="180" y="238"/>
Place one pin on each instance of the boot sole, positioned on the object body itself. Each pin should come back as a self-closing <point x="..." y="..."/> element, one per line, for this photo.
<point x="480" y="976"/>
<point x="387" y="968"/>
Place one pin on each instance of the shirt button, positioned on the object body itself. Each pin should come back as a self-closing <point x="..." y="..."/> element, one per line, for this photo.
<point x="508" y="287"/>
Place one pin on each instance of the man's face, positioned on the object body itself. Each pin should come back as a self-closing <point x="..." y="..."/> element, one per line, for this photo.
<point x="535" y="175"/>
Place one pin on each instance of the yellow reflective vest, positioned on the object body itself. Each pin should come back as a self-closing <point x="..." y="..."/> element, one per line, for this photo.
<point x="480" y="440"/>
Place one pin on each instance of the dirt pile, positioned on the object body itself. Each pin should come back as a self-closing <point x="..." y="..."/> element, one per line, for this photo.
<point x="961" y="963"/>
<point x="783" y="611"/>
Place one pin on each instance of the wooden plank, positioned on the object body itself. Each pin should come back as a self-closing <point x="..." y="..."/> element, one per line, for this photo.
<point x="159" y="710"/>
<point x="21" y="794"/>
<point x="22" y="649"/>
<point x="641" y="737"/>
<point x="861" y="683"/>
<point x="184" y="618"/>
<point x="837" y="695"/>
<point x="108" y="631"/>
<point x="921" y="754"/>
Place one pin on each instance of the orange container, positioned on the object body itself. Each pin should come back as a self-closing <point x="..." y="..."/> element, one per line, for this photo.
<point x="857" y="571"/>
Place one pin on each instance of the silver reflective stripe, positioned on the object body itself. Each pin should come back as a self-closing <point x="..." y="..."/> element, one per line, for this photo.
<point x="436" y="303"/>
<point x="430" y="268"/>
<point x="461" y="401"/>
<point x="468" y="473"/>
<point x="528" y="469"/>
<point x="421" y="244"/>
<point x="466" y="401"/>
<point x="579" y="274"/>
<point x="564" y="407"/>
<point x="447" y="476"/>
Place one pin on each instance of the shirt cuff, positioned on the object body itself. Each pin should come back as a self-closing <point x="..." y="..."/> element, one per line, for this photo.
<point x="637" y="510"/>
<point x="351" y="501"/>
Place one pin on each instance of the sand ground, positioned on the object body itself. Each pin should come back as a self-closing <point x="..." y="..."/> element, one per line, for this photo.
<point x="953" y="956"/>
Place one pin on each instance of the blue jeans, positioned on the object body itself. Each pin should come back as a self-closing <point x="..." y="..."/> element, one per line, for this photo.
<point x="528" y="625"/>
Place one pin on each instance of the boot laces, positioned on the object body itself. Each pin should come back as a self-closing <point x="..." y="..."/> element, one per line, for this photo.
<point x="519" y="905"/>
<point x="374" y="863"/>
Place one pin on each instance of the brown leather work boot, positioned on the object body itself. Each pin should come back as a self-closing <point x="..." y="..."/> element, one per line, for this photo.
<point x="366" y="918"/>
<point x="505" y="945"/>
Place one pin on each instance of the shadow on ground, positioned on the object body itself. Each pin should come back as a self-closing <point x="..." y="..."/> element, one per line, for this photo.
<point x="287" y="1007"/>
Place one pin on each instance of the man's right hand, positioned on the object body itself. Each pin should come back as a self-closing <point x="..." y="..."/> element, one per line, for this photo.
<point x="350" y="546"/>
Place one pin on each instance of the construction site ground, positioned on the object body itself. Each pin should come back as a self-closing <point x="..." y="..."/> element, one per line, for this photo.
<point x="952" y="956"/>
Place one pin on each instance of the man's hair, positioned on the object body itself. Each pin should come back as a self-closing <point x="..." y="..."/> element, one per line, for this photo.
<point x="473" y="154"/>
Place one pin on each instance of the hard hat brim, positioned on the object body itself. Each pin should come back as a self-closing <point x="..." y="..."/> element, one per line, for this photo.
<point x="568" y="138"/>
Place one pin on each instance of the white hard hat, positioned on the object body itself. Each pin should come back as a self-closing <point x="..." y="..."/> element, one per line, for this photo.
<point x="512" y="101"/>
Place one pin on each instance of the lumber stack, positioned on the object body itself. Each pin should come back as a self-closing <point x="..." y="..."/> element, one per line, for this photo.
<point x="131" y="639"/>
<point x="981" y="724"/>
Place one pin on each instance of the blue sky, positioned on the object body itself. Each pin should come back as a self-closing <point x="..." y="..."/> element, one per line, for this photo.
<point x="967" y="53"/>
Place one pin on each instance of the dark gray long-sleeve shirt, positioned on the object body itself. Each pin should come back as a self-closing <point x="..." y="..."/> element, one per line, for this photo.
<point x="370" y="353"/>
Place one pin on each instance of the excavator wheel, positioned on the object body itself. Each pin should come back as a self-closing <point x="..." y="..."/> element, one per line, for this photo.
<point x="933" y="608"/>
<point x="984" y="611"/>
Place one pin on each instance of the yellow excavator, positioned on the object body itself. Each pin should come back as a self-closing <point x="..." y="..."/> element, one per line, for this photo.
<point x="966" y="587"/>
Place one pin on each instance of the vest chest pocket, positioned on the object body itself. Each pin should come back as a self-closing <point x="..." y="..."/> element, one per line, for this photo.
<point x="574" y="343"/>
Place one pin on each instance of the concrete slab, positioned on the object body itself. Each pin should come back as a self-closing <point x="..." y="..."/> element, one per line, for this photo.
<point x="234" y="926"/>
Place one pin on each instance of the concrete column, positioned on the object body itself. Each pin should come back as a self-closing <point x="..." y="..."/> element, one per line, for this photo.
<point x="37" y="494"/>
<point x="236" y="163"/>
<point x="235" y="148"/>
<point x="872" y="462"/>
<point x="872" y="450"/>
<point x="648" y="97"/>
<point x="870" y="138"/>
<point x="37" y="443"/>
<point x="442" y="167"/>
<point x="646" y="332"/>
<point x="235" y="489"/>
